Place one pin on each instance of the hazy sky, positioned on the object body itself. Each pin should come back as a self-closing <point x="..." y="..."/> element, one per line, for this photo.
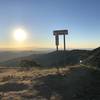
<point x="40" y="17"/>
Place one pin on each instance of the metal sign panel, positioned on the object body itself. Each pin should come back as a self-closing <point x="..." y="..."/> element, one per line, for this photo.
<point x="60" y="32"/>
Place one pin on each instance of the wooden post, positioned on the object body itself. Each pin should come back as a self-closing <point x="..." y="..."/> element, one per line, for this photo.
<point x="57" y="41"/>
<point x="57" y="47"/>
<point x="64" y="43"/>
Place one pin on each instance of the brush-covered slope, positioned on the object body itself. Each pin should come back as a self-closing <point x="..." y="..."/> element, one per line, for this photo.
<point x="53" y="59"/>
<point x="60" y="58"/>
<point x="94" y="58"/>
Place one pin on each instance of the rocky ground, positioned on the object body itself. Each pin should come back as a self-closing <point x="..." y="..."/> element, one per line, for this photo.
<point x="72" y="83"/>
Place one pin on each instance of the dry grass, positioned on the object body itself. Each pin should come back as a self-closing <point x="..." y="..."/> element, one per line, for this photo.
<point x="72" y="83"/>
<point x="17" y="84"/>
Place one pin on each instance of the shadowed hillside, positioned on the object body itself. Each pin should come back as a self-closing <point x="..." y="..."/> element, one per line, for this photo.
<point x="93" y="58"/>
<point x="60" y="58"/>
<point x="57" y="58"/>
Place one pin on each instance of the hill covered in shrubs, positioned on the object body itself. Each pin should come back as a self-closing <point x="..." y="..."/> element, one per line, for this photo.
<point x="93" y="58"/>
<point x="58" y="58"/>
<point x="52" y="59"/>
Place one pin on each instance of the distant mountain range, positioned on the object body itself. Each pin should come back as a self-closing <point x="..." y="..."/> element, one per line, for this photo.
<point x="8" y="55"/>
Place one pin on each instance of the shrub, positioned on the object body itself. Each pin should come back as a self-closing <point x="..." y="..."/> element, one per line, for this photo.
<point x="28" y="64"/>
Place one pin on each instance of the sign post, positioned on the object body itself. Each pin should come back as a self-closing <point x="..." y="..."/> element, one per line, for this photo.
<point x="57" y="41"/>
<point x="56" y="33"/>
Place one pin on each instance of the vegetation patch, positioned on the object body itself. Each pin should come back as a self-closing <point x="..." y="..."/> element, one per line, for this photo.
<point x="13" y="87"/>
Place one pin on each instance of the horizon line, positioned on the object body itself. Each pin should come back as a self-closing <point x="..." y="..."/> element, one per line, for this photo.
<point x="41" y="49"/>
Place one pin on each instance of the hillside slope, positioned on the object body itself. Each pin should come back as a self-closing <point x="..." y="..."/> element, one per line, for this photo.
<point x="52" y="59"/>
<point x="93" y="58"/>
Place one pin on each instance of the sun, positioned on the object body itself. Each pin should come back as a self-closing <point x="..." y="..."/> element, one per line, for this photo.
<point x="20" y="35"/>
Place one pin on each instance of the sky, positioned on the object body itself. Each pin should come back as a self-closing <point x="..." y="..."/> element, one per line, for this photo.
<point x="38" y="18"/>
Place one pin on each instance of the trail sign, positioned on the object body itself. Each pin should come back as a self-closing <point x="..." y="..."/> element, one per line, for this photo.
<point x="60" y="32"/>
<point x="57" y="33"/>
